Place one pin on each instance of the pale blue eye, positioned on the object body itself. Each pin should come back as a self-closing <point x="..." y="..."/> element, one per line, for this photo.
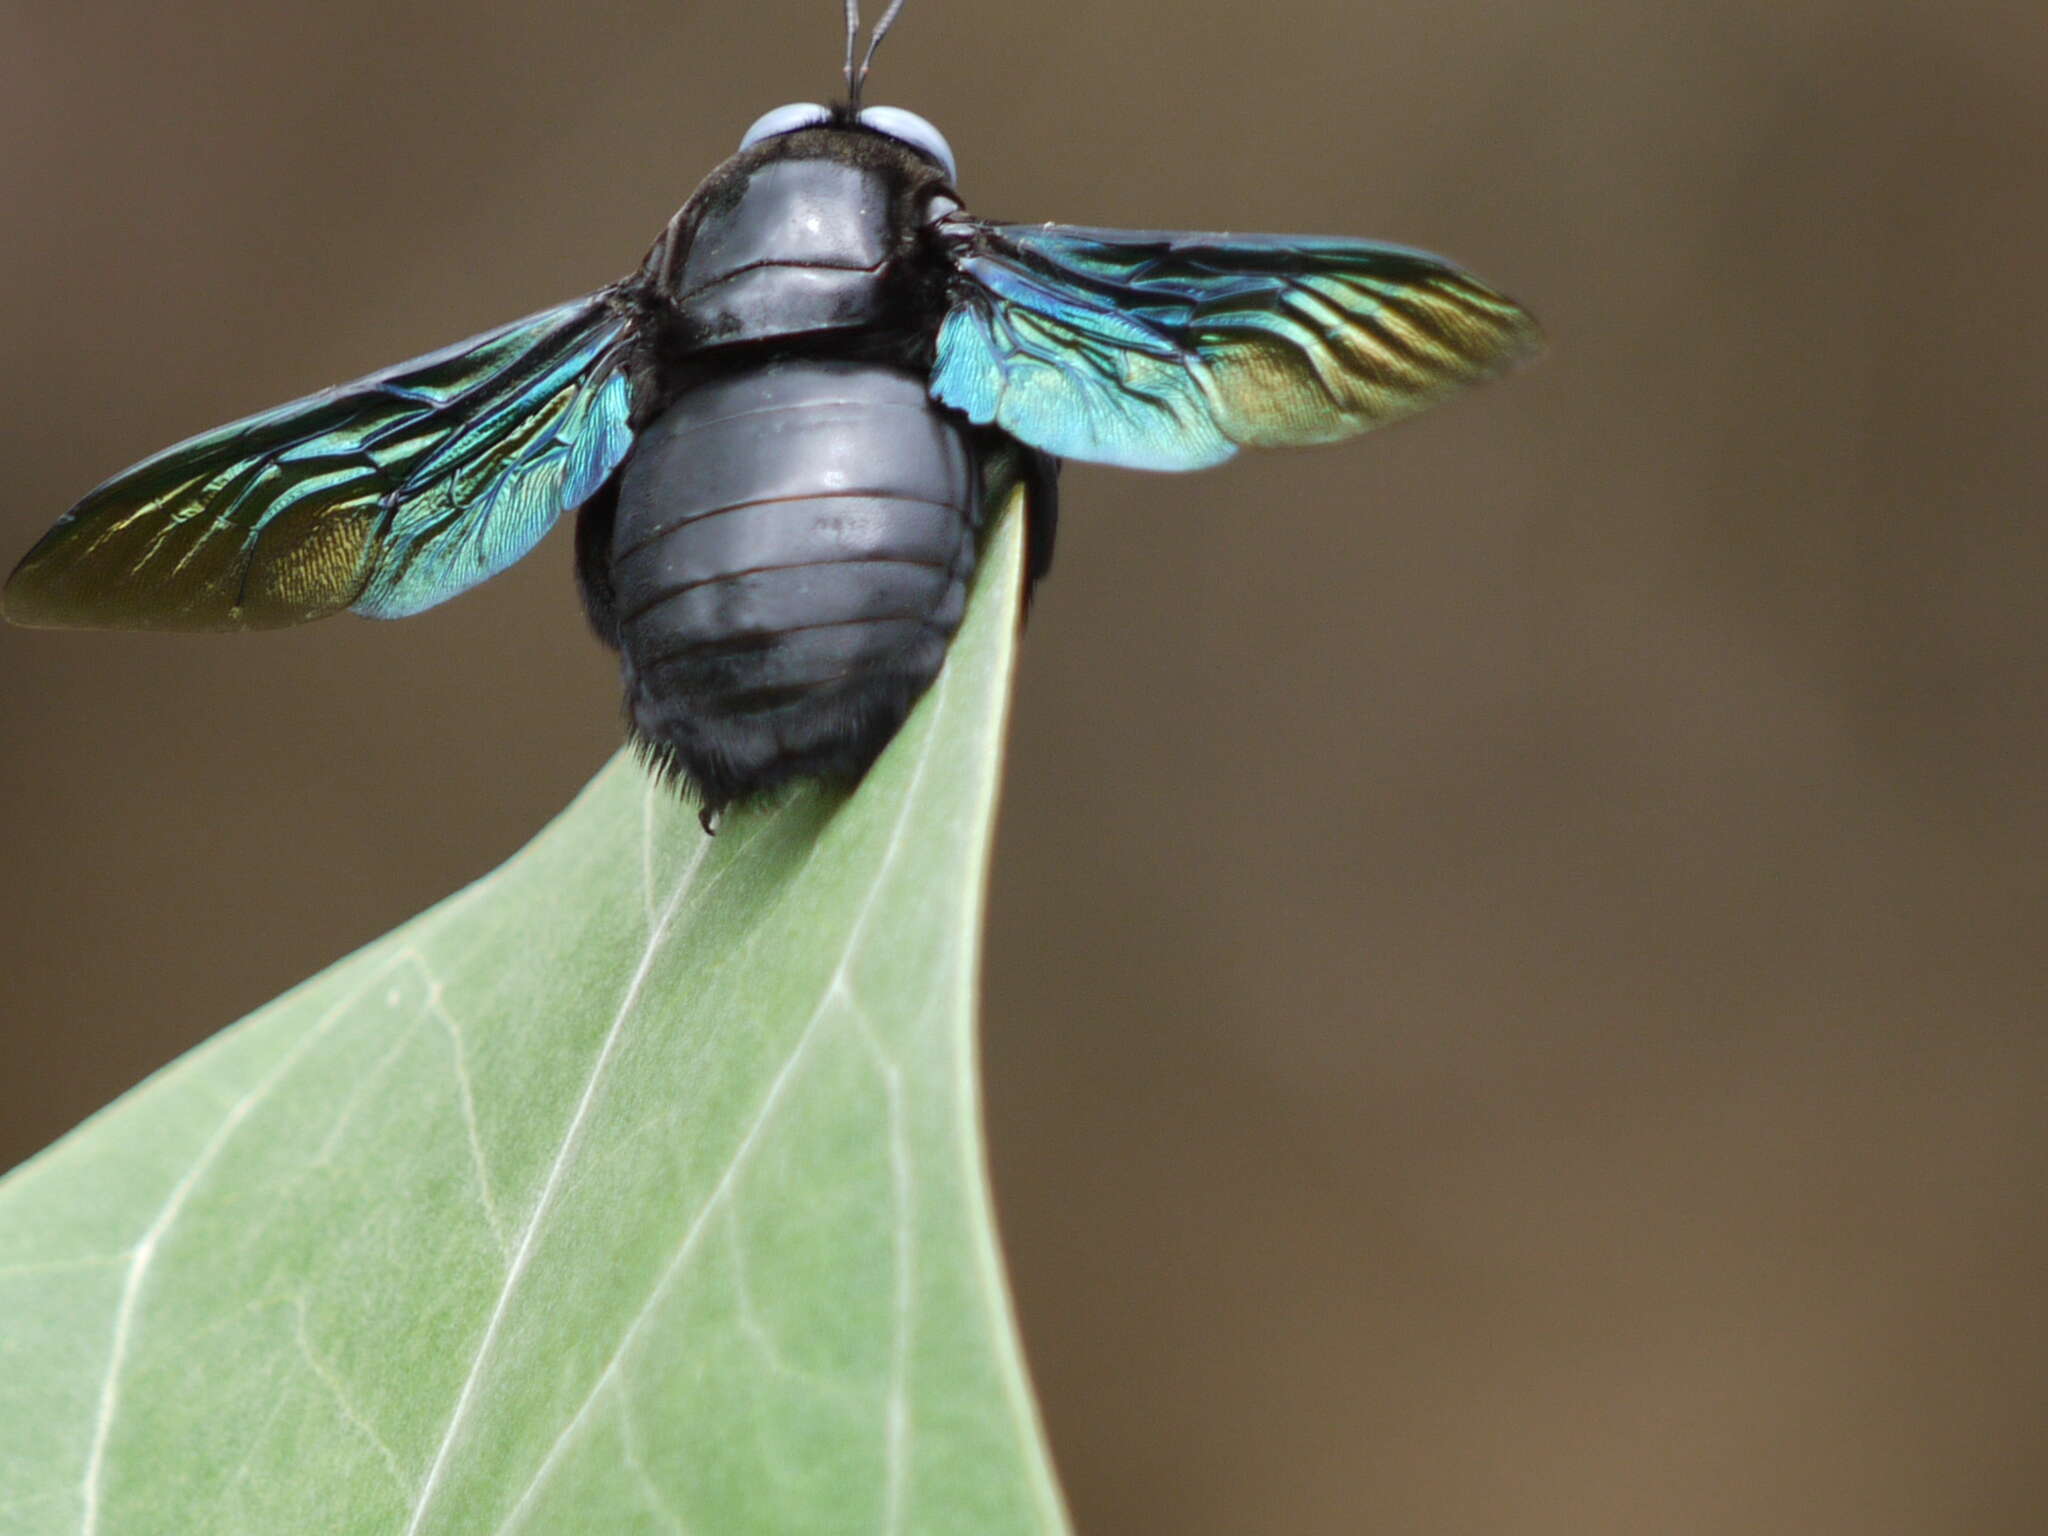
<point x="798" y="114"/>
<point x="914" y="131"/>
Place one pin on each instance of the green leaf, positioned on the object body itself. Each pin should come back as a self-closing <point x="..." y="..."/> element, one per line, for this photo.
<point x="638" y="1187"/>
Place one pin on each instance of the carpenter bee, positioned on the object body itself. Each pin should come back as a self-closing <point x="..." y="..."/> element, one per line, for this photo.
<point x="782" y="436"/>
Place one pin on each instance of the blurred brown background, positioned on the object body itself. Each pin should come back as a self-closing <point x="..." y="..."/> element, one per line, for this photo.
<point x="1516" y="996"/>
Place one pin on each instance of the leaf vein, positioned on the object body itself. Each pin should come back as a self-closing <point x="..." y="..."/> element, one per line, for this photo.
<point x="835" y="989"/>
<point x="902" y="1191"/>
<point x="331" y="1379"/>
<point x="145" y="1251"/>
<point x="437" y="1003"/>
<point x="529" y="1235"/>
<point x="629" y="1438"/>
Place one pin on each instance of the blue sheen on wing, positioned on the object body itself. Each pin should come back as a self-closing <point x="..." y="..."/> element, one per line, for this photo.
<point x="1159" y="350"/>
<point x="385" y="496"/>
<point x="489" y="494"/>
<point x="1072" y="375"/>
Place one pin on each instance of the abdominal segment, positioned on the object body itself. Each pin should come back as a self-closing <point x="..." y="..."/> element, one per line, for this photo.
<point x="789" y="560"/>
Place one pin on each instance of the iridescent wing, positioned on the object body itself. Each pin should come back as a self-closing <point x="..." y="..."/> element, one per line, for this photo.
<point x="385" y="496"/>
<point x="1158" y="350"/>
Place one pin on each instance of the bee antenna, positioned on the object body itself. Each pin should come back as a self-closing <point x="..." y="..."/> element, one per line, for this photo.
<point x="875" y="37"/>
<point x="852" y="29"/>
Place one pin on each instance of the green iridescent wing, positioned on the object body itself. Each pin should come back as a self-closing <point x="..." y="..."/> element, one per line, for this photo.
<point x="385" y="496"/>
<point x="1160" y="350"/>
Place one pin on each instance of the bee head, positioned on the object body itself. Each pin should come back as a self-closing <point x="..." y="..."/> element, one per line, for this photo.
<point x="890" y="122"/>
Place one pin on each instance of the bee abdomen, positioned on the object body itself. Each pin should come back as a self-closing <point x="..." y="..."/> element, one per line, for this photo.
<point x="790" y="559"/>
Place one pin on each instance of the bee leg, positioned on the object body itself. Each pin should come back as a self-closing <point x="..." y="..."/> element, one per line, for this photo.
<point x="1042" y="513"/>
<point x="594" y="561"/>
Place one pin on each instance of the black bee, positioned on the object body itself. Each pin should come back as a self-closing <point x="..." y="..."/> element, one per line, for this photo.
<point x="784" y="434"/>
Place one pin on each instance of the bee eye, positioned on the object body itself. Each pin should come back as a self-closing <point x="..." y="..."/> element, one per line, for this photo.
<point x="913" y="130"/>
<point x="798" y="114"/>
